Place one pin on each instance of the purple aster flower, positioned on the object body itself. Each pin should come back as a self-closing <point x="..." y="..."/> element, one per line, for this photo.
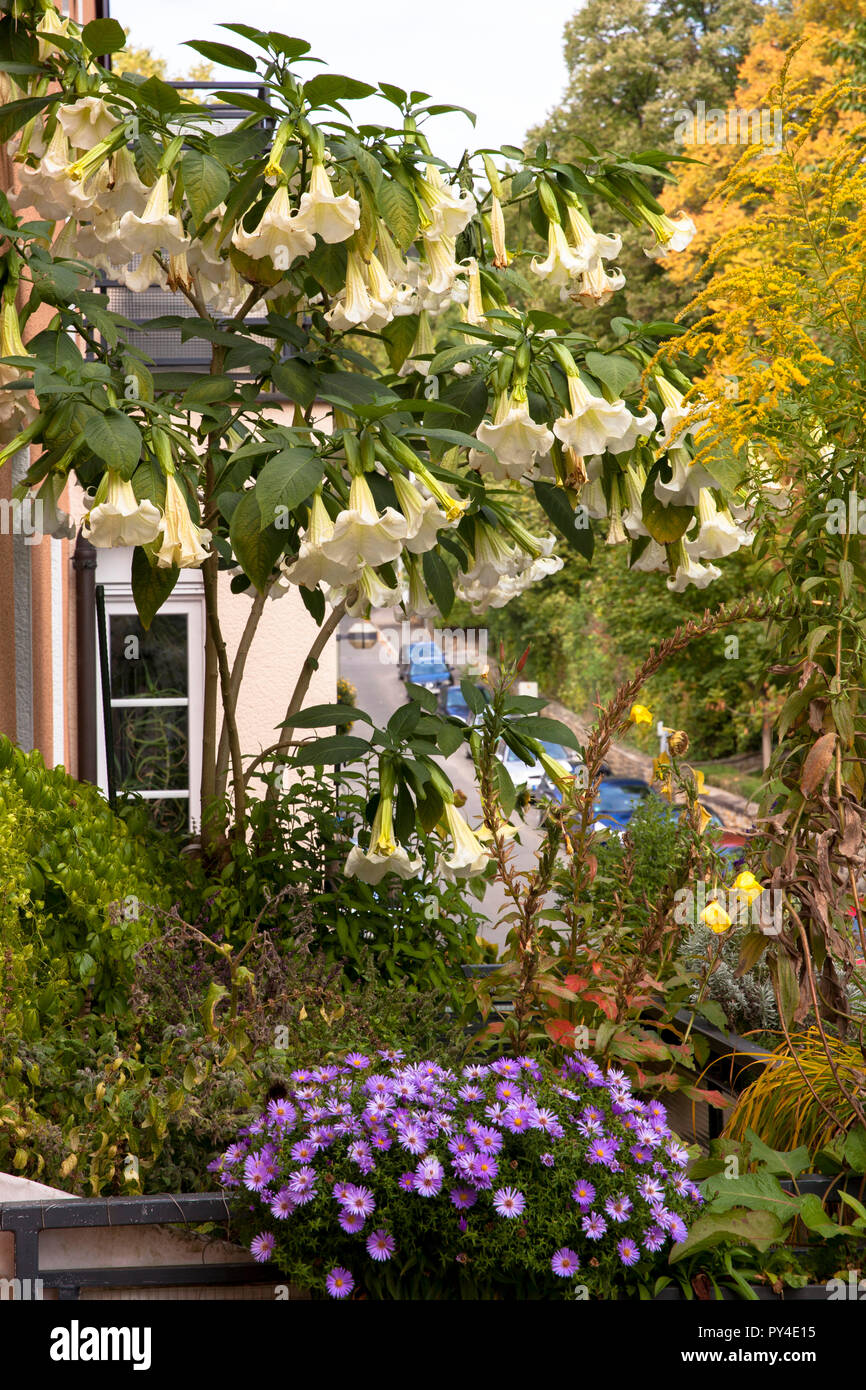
<point x="339" y="1282"/>
<point x="474" y="1071"/>
<point x="463" y="1198"/>
<point x="504" y="1066"/>
<point x="302" y="1076"/>
<point x="628" y="1251"/>
<point x="282" y="1113"/>
<point x="359" y="1151"/>
<point x="618" y="1208"/>
<point x="357" y="1061"/>
<point x="483" y="1170"/>
<point x="360" y="1200"/>
<point x="262" y="1247"/>
<point x="381" y="1140"/>
<point x="654" y="1238"/>
<point x="256" y="1174"/>
<point x="583" y="1193"/>
<point x="508" y="1092"/>
<point x="650" y="1189"/>
<point x="428" y="1177"/>
<point x="678" y="1155"/>
<point x="351" y="1221"/>
<point x="460" y="1144"/>
<point x="471" y="1093"/>
<point x="411" y="1138"/>
<point x="594" y="1225"/>
<point x="603" y="1151"/>
<point x="593" y="1073"/>
<point x="489" y="1140"/>
<point x="548" y="1160"/>
<point x="283" y="1204"/>
<point x="640" y="1153"/>
<point x="517" y="1119"/>
<point x="509" y="1202"/>
<point x="391" y="1054"/>
<point x="380" y="1245"/>
<point x="473" y="1129"/>
<point x="341" y="1191"/>
<point x="678" y="1228"/>
<point x="304" y="1151"/>
<point x="565" y="1263"/>
<point x="407" y="1182"/>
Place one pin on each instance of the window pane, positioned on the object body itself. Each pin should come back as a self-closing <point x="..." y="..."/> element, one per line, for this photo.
<point x="152" y="746"/>
<point x="152" y="663"/>
<point x="170" y="813"/>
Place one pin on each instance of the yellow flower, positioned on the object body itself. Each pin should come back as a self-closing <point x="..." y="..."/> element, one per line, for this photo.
<point x="639" y="714"/>
<point x="716" y="918"/>
<point x="748" y="886"/>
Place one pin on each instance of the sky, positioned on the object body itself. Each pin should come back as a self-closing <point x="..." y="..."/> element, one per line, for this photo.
<point x="501" y="58"/>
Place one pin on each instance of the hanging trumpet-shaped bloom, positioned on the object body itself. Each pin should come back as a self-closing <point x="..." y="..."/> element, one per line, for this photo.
<point x="595" y="286"/>
<point x="593" y="423"/>
<point x="369" y="591"/>
<point x="385" y="855"/>
<point x="183" y="543"/>
<point x="670" y="235"/>
<point x="324" y="213"/>
<point x="278" y="235"/>
<point x="514" y="436"/>
<point x="686" y="480"/>
<point x="355" y="305"/>
<point x="361" y="536"/>
<point x="126" y="192"/>
<point x="423" y="348"/>
<point x="497" y="234"/>
<point x="157" y="229"/>
<point x="562" y="261"/>
<point x="641" y="427"/>
<point x="118" y="518"/>
<point x="312" y="566"/>
<point x="448" y="211"/>
<point x="86" y="122"/>
<point x="424" y="520"/>
<point x="51" y="520"/>
<point x="677" y="414"/>
<point x="16" y="410"/>
<point x="653" y="558"/>
<point x="634" y="482"/>
<point x="417" y="602"/>
<point x="468" y="856"/>
<point x="719" y="534"/>
<point x="591" y="246"/>
<point x="50" y="23"/>
<point x="688" y="571"/>
<point x="441" y="265"/>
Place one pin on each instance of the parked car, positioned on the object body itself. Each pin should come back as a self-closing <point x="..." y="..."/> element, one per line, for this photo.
<point x="427" y="666"/>
<point x="452" y="702"/>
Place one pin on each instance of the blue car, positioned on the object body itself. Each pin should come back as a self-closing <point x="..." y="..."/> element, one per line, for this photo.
<point x="427" y="666"/>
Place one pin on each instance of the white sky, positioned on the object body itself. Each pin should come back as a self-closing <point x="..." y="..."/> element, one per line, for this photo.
<point x="501" y="58"/>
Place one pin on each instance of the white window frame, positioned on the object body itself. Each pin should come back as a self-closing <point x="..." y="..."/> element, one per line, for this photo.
<point x="187" y="599"/>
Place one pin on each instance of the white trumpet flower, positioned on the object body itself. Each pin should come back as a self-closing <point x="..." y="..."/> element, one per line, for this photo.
<point x="449" y="212"/>
<point x="686" y="481"/>
<point x="562" y="262"/>
<point x="385" y="855"/>
<point x="86" y="122"/>
<point x="595" y="286"/>
<point x="355" y="305"/>
<point x="515" y="438"/>
<point x="641" y="427"/>
<point x="157" y="228"/>
<point x="652" y="559"/>
<point x="312" y="566"/>
<point x="593" y="423"/>
<point x="278" y="235"/>
<point x="590" y="246"/>
<point x="361" y="536"/>
<point x="719" y="535"/>
<point x="670" y="235"/>
<point x="323" y="213"/>
<point x="468" y="856"/>
<point x="424" y="519"/>
<point x="183" y="543"/>
<point x="118" y="518"/>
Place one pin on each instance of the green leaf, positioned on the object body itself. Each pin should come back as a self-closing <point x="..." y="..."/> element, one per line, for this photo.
<point x="399" y="336"/>
<point x="208" y="389"/>
<point x="473" y="696"/>
<point x="437" y="577"/>
<point x="813" y="1215"/>
<point x="223" y="53"/>
<point x="758" y="1228"/>
<point x="340" y="748"/>
<point x="467" y="394"/>
<point x="505" y="787"/>
<point x="759" y="1191"/>
<point x="296" y="380"/>
<point x="151" y="585"/>
<point x="399" y="212"/>
<point x="665" y="524"/>
<point x="321" y="716"/>
<point x="554" y="501"/>
<point x="257" y="548"/>
<point x="784" y="978"/>
<point x="615" y="372"/>
<point x="792" y="1163"/>
<point x="327" y="265"/>
<point x="713" y="1013"/>
<point x="287" y="480"/>
<point x="115" y="439"/>
<point x="551" y="730"/>
<point x="103" y="36"/>
<point x="16" y="114"/>
<point x="330" y="87"/>
<point x="205" y="183"/>
<point x="854" y="1149"/>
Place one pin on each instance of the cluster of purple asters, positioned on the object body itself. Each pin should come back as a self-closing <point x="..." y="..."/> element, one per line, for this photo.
<point x="479" y="1142"/>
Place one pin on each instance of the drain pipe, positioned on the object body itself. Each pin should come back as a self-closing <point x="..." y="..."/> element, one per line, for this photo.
<point x="84" y="564"/>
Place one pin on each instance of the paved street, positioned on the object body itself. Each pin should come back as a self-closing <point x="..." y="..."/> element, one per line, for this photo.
<point x="373" y="672"/>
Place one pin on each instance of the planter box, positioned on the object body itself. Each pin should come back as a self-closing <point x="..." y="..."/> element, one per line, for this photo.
<point x="814" y="1293"/>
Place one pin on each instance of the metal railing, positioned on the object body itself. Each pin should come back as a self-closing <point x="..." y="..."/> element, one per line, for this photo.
<point x="26" y="1220"/>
